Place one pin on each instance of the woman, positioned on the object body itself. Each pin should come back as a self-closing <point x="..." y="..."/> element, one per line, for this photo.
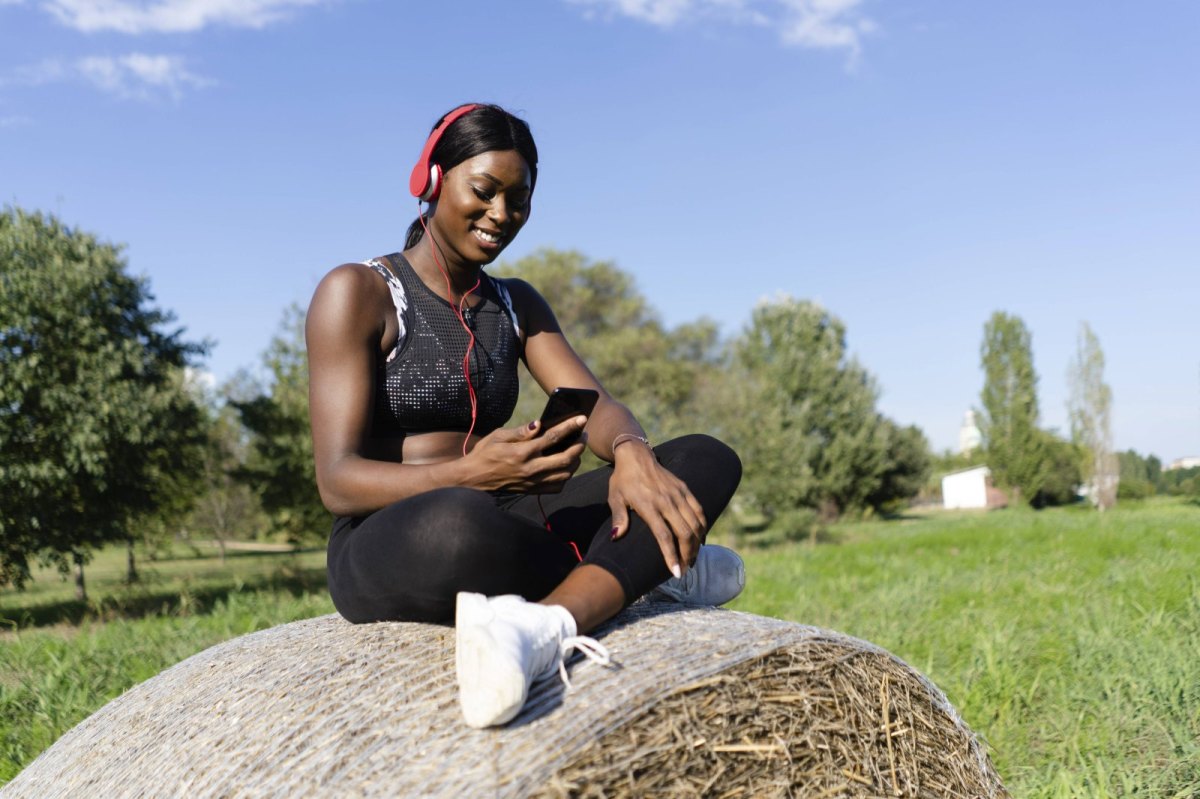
<point x="441" y="510"/>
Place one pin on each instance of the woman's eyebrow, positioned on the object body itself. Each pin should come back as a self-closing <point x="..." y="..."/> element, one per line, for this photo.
<point x="494" y="179"/>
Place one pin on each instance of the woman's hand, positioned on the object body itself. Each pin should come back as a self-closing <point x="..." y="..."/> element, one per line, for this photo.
<point x="517" y="459"/>
<point x="663" y="501"/>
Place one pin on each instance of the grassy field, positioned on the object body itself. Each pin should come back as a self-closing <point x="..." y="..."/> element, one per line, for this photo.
<point x="1068" y="639"/>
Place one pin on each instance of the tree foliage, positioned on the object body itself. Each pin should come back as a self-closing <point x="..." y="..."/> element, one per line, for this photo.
<point x="1090" y="409"/>
<point x="1062" y="471"/>
<point x="227" y="508"/>
<point x="96" y="428"/>
<point x="1015" y="447"/>
<point x="802" y="415"/>
<point x="652" y="369"/>
<point x="279" y="465"/>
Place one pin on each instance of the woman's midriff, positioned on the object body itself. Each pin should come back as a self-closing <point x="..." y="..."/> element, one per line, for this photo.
<point x="421" y="448"/>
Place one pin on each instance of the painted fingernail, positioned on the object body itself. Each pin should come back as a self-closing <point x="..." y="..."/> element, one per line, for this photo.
<point x="614" y="533"/>
<point x="675" y="571"/>
<point x="533" y="424"/>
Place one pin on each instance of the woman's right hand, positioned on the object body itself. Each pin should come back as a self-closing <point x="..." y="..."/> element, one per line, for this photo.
<point x="522" y="458"/>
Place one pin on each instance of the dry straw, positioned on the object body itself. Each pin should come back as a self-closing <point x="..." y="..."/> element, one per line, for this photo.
<point x="703" y="703"/>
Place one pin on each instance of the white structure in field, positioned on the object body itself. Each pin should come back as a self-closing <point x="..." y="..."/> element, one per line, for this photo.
<point x="969" y="437"/>
<point x="967" y="488"/>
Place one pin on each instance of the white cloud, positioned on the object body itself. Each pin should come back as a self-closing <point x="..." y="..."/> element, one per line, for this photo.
<point x="135" y="76"/>
<point x="820" y="24"/>
<point x="140" y="76"/>
<point x="170" y="16"/>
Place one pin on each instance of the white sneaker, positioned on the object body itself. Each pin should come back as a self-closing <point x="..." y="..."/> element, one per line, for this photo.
<point x="503" y="646"/>
<point x="717" y="576"/>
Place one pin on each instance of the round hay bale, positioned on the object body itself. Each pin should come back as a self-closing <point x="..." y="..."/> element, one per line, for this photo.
<point x="699" y="702"/>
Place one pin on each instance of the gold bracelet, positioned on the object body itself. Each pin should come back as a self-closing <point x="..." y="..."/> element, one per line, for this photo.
<point x="623" y="437"/>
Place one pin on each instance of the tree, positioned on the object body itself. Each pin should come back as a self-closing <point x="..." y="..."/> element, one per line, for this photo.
<point x="94" y="421"/>
<point x="1090" y="409"/>
<point x="1014" y="445"/>
<point x="802" y="415"/>
<point x="909" y="465"/>
<point x="653" y="370"/>
<point x="279" y="465"/>
<point x="1063" y="474"/>
<point x="227" y="507"/>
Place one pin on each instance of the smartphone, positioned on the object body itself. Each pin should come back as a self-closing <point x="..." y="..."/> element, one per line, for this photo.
<point x="565" y="403"/>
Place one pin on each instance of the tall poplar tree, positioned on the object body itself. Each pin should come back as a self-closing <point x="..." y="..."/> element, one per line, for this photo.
<point x="1090" y="409"/>
<point x="1016" y="449"/>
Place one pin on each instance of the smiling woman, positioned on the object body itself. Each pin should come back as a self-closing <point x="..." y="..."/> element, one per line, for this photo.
<point x="442" y="513"/>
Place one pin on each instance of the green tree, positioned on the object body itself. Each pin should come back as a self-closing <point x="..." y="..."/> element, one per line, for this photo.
<point x="279" y="465"/>
<point x="653" y="370"/>
<point x="1090" y="409"/>
<point x="1014" y="445"/>
<point x="802" y="415"/>
<point x="1063" y="474"/>
<point x="95" y="425"/>
<point x="909" y="466"/>
<point x="226" y="508"/>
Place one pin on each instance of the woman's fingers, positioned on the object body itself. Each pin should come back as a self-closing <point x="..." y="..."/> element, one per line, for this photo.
<point x="674" y="522"/>
<point x="620" y="517"/>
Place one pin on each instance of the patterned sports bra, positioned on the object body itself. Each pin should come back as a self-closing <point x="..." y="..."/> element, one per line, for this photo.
<point x="420" y="387"/>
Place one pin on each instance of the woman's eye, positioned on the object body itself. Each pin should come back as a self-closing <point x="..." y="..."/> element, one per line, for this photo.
<point x="482" y="194"/>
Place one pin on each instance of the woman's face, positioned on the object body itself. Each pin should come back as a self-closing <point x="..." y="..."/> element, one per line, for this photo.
<point x="483" y="203"/>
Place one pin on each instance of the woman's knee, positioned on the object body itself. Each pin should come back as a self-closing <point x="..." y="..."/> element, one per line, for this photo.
<point x="713" y="454"/>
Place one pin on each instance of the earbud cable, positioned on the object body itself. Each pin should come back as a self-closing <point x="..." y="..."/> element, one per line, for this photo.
<point x="458" y="311"/>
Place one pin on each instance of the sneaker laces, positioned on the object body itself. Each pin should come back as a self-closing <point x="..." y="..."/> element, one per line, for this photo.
<point x="592" y="649"/>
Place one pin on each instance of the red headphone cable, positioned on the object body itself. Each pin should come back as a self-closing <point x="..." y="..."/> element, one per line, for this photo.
<point x="458" y="311"/>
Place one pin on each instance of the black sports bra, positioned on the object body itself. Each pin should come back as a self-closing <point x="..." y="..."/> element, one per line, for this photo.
<point x="420" y="387"/>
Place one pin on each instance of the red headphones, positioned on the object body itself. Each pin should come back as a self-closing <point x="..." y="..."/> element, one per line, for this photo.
<point x="426" y="179"/>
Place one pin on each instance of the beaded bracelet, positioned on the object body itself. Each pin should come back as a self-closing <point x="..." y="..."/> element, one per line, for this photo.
<point x="623" y="437"/>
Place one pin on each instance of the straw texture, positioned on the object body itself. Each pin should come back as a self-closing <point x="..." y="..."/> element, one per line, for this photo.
<point x="323" y="707"/>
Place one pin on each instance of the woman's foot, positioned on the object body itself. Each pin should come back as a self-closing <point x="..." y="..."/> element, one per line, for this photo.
<point x="503" y="646"/>
<point x="717" y="577"/>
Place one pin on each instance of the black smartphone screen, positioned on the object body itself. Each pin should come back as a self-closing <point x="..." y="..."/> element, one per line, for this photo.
<point x="563" y="404"/>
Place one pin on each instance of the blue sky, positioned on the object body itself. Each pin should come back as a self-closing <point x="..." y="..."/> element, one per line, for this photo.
<point x="914" y="166"/>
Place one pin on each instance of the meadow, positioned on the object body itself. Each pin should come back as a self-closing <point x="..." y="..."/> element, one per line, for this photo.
<point x="1069" y="640"/>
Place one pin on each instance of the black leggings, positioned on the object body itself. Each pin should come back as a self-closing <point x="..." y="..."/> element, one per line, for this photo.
<point x="408" y="560"/>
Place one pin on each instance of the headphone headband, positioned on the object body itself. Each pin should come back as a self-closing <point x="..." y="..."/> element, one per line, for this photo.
<point x="426" y="179"/>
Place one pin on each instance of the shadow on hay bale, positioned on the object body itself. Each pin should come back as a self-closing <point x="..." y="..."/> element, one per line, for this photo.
<point x="703" y="702"/>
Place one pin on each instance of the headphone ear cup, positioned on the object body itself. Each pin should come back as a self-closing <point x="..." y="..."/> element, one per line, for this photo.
<point x="435" y="184"/>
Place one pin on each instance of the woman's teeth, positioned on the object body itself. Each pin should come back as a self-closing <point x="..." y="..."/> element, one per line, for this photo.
<point x="491" y="238"/>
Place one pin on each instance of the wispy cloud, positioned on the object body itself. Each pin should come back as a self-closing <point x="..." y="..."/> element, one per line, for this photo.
<point x="171" y="16"/>
<point x="139" y="76"/>
<point x="819" y="24"/>
<point x="135" y="76"/>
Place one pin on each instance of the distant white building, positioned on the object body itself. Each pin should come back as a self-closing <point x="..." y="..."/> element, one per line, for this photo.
<point x="969" y="437"/>
<point x="971" y="488"/>
<point x="1190" y="462"/>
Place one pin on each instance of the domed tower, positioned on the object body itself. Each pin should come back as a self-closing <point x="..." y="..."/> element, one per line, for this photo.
<point x="969" y="437"/>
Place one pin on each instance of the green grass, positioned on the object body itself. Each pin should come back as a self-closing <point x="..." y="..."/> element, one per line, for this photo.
<point x="1068" y="639"/>
<point x="61" y="660"/>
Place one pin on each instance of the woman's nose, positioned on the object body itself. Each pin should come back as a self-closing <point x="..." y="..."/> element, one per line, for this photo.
<point x="498" y="210"/>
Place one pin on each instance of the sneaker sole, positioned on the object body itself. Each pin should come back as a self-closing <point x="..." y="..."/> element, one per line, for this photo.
<point x="491" y="687"/>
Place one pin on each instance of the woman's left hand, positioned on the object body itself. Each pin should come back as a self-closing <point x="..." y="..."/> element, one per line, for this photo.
<point x="663" y="501"/>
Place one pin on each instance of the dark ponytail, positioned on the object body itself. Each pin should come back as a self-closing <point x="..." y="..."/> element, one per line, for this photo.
<point x="480" y="130"/>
